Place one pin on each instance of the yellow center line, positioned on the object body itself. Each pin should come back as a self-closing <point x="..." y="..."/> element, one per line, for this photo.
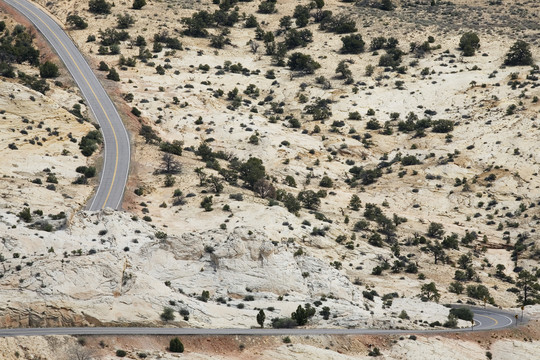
<point x="91" y="89"/>
<point x="489" y="317"/>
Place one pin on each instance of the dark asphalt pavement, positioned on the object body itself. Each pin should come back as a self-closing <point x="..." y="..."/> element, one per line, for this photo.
<point x="117" y="153"/>
<point x="485" y="320"/>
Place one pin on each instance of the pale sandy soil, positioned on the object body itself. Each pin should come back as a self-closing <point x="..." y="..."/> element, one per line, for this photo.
<point x="473" y="92"/>
<point x="48" y="125"/>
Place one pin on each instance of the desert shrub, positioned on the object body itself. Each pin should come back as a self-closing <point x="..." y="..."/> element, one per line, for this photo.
<point x="442" y="126"/>
<point x="130" y="61"/>
<point x="309" y="199"/>
<point x="450" y="323"/>
<point x="391" y="59"/>
<point x="99" y="7"/>
<point x="17" y="47"/>
<point x="290" y="181"/>
<point x="352" y="44"/>
<point x="46" y="227"/>
<point x="435" y="230"/>
<point x="219" y="41"/>
<point x="113" y="75"/>
<point x="160" y="70"/>
<point x="302" y="315"/>
<point x="361" y="225"/>
<point x="207" y="203"/>
<point x="169" y="180"/>
<point x="429" y="292"/>
<point x="409" y="160"/>
<point x="355" y="203"/>
<point x="169" y="41"/>
<point x="167" y="314"/>
<point x="251" y="22"/>
<point x="224" y="18"/>
<point x="519" y="54"/>
<point x="198" y="22"/>
<point x="140" y="41"/>
<point x="376" y="240"/>
<point x="511" y="109"/>
<point x="373" y="124"/>
<point x="320" y="109"/>
<point x="51" y="178"/>
<point x="81" y="180"/>
<point x="368" y="295"/>
<point x="89" y="143"/>
<point x="469" y="43"/>
<point x="325" y="312"/>
<point x="380" y="42"/>
<point x="149" y="134"/>
<point x="114" y="49"/>
<point x="138" y="4"/>
<point x="355" y="116"/>
<point x="294" y="123"/>
<point x="303" y="63"/>
<point x="176" y="346"/>
<point x="387" y="5"/>
<point x="77" y="22"/>
<point x="251" y="171"/>
<point x="403" y="315"/>
<point x="25" y="215"/>
<point x="103" y="66"/>
<point x="7" y="70"/>
<point x="109" y="36"/>
<point x="124" y="21"/>
<point x="377" y="43"/>
<point x="301" y="14"/>
<point x="462" y="313"/>
<point x="456" y="287"/>
<point x="283" y="323"/>
<point x="48" y="70"/>
<point x="33" y="82"/>
<point x="90" y="172"/>
<point x="341" y="24"/>
<point x="267" y="7"/>
<point x="366" y="176"/>
<point x="173" y="148"/>
<point x="295" y="38"/>
<point x="479" y="292"/>
<point x="411" y="268"/>
<point x="291" y="203"/>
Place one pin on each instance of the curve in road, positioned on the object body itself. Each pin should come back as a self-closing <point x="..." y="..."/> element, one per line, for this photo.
<point x="485" y="320"/>
<point x="489" y="320"/>
<point x="112" y="184"/>
<point x="117" y="155"/>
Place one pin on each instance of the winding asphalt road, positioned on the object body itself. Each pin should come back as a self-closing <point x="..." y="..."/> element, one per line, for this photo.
<point x="117" y="155"/>
<point x="112" y="185"/>
<point x="485" y="320"/>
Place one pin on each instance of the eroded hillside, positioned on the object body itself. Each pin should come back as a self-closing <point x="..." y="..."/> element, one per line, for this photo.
<point x="346" y="160"/>
<point x="40" y="132"/>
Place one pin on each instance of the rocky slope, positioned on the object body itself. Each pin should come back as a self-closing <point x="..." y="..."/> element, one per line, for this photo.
<point x="35" y="145"/>
<point x="131" y="272"/>
<point x="479" y="180"/>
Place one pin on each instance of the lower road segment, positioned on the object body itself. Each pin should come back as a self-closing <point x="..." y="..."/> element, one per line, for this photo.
<point x="484" y="319"/>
